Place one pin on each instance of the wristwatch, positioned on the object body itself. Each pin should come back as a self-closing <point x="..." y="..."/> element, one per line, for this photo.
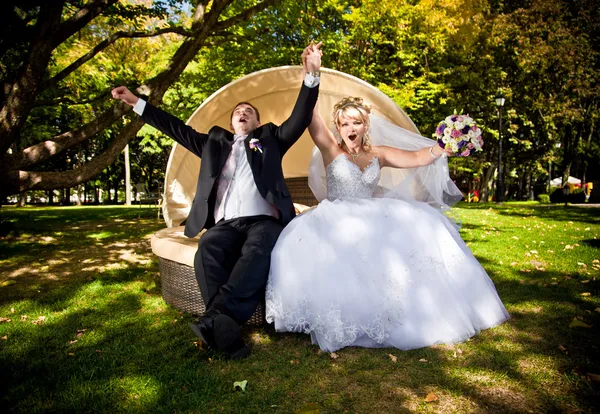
<point x="316" y="73"/>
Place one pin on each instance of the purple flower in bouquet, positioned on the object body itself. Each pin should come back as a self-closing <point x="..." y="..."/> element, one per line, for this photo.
<point x="460" y="133"/>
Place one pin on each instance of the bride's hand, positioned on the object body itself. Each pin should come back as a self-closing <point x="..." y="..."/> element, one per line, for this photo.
<point x="447" y="152"/>
<point x="438" y="152"/>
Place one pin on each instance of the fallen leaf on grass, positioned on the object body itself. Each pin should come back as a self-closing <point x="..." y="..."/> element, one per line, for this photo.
<point x="585" y="294"/>
<point x="5" y="320"/>
<point x="393" y="358"/>
<point x="4" y="338"/>
<point x="585" y="281"/>
<point x="563" y="349"/>
<point x="294" y="362"/>
<point x="431" y="397"/>
<point x="422" y="360"/>
<point x="71" y="354"/>
<point x="333" y="355"/>
<point x="309" y="408"/>
<point x="8" y="283"/>
<point x="576" y="323"/>
<point x="513" y="264"/>
<point x="72" y="342"/>
<point x="241" y="385"/>
<point x="568" y="247"/>
<point x="23" y="317"/>
<point x="12" y="310"/>
<point x="40" y="320"/>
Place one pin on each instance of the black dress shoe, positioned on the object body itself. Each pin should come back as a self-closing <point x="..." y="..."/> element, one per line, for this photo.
<point x="228" y="337"/>
<point x="221" y="332"/>
<point x="203" y="330"/>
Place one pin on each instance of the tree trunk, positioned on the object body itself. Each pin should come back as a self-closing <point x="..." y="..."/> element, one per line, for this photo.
<point x="22" y="199"/>
<point x="78" y="192"/>
<point x="127" y="177"/>
<point x="486" y="183"/>
<point x="209" y="19"/>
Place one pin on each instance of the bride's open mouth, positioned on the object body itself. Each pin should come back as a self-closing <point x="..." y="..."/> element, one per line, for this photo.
<point x="352" y="137"/>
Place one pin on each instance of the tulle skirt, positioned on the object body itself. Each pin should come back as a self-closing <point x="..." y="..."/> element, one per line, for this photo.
<point x="378" y="273"/>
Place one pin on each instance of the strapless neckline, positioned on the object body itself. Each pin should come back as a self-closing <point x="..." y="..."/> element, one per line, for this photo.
<point x="353" y="163"/>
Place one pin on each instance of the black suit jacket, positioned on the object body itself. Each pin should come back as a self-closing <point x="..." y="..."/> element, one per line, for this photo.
<point x="214" y="148"/>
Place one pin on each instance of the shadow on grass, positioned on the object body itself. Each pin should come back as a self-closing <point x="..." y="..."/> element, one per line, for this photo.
<point x="557" y="212"/>
<point x="110" y="343"/>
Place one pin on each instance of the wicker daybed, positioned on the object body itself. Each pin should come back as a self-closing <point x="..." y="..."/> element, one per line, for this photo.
<point x="273" y="92"/>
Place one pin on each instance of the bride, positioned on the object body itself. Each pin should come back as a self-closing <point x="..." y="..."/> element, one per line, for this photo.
<point x="376" y="263"/>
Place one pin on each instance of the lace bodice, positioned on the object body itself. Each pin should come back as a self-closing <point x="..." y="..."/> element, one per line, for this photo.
<point x="346" y="180"/>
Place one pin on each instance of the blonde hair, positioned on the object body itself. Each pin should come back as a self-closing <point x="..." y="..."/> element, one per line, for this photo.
<point x="356" y="108"/>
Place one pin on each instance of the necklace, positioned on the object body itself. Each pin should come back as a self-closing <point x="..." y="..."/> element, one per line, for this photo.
<point x="355" y="156"/>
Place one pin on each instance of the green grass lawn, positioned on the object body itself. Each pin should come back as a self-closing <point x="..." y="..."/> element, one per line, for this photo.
<point x="83" y="327"/>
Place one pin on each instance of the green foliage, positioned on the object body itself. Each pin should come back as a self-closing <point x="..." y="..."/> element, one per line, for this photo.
<point x="544" y="198"/>
<point x="430" y="56"/>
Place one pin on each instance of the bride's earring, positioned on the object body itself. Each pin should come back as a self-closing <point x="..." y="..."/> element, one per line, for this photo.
<point x="338" y="137"/>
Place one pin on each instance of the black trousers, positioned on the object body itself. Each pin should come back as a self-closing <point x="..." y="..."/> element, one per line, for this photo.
<point x="232" y="264"/>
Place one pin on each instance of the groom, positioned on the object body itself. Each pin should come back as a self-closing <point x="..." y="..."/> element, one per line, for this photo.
<point x="242" y="201"/>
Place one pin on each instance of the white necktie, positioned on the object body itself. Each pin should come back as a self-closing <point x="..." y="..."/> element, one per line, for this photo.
<point x="225" y="180"/>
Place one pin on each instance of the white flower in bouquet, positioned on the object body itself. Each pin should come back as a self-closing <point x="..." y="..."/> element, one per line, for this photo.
<point x="460" y="133"/>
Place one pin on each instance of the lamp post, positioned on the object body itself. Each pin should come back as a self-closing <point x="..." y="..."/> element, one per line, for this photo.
<point x="500" y="182"/>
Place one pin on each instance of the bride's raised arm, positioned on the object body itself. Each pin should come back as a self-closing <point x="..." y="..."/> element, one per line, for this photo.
<point x="320" y="134"/>
<point x="398" y="158"/>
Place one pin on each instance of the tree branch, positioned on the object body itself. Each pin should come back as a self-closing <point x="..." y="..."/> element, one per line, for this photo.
<point x="40" y="152"/>
<point x="245" y="15"/>
<point x="104" y="44"/>
<point x="67" y="100"/>
<point x="19" y="181"/>
<point x="80" y="19"/>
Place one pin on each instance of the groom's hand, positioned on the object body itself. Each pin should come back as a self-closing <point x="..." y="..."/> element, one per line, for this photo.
<point x="124" y="94"/>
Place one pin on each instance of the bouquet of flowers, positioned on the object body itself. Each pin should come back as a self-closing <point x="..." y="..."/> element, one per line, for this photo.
<point x="460" y="133"/>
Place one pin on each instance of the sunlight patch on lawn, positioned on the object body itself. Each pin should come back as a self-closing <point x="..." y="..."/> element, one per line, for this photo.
<point x="103" y="267"/>
<point x="138" y="392"/>
<point x="99" y="236"/>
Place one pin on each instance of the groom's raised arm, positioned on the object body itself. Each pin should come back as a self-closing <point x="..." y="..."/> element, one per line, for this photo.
<point x="292" y="129"/>
<point x="163" y="121"/>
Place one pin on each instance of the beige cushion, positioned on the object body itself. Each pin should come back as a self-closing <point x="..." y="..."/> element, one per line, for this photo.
<point x="172" y="244"/>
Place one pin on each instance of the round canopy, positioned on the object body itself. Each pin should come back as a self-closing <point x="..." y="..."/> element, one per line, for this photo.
<point x="557" y="182"/>
<point x="274" y="92"/>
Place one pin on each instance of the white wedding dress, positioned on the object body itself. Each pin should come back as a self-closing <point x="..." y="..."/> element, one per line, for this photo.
<point x="376" y="272"/>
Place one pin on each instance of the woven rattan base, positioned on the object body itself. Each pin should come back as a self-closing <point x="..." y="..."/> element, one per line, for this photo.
<point x="180" y="289"/>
